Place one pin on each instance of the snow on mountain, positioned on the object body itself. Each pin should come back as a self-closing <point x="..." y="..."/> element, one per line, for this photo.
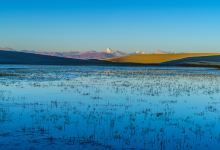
<point x="108" y="50"/>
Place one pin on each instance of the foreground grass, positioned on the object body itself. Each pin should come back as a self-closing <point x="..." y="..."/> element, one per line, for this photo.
<point x="4" y="74"/>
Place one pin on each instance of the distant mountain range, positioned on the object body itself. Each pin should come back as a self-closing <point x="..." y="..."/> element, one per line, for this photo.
<point x="109" y="58"/>
<point x="28" y="58"/>
<point x="6" y="48"/>
<point x="108" y="53"/>
<point x="85" y="55"/>
<point x="155" y="52"/>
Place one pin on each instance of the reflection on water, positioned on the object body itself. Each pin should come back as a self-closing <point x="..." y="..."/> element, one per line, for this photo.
<point x="45" y="107"/>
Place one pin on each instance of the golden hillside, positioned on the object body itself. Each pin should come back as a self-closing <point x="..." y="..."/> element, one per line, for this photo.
<point x="156" y="58"/>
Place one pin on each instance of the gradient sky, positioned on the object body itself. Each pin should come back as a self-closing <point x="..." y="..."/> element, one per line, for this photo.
<point x="129" y="25"/>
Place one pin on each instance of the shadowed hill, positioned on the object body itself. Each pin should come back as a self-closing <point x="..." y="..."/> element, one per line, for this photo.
<point x="13" y="57"/>
<point x="156" y="58"/>
<point x="203" y="59"/>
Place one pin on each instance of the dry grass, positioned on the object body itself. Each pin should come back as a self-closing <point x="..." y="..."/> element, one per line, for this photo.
<point x="156" y="58"/>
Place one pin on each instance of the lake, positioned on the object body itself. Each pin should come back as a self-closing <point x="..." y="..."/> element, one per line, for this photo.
<point x="90" y="107"/>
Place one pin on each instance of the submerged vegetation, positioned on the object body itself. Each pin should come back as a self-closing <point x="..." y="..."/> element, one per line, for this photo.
<point x="57" y="107"/>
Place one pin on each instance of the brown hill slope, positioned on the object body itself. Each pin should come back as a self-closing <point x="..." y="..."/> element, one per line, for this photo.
<point x="156" y="58"/>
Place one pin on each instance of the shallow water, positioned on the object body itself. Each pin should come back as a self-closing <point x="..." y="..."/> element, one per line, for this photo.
<point x="152" y="108"/>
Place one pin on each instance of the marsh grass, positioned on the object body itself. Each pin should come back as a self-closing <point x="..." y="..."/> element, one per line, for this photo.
<point x="2" y="74"/>
<point x="108" y="108"/>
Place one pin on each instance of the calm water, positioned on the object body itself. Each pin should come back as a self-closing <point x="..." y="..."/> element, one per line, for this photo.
<point x="45" y="107"/>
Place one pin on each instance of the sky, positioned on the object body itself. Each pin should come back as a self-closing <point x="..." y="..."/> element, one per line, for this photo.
<point x="127" y="25"/>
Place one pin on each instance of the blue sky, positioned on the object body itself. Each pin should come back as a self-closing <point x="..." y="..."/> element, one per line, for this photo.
<point x="129" y="25"/>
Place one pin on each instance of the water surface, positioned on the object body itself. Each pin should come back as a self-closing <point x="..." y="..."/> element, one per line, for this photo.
<point x="152" y="108"/>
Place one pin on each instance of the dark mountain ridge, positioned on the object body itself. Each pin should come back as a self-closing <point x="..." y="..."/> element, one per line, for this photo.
<point x="24" y="58"/>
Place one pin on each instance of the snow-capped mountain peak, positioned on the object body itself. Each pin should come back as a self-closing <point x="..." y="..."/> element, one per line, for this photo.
<point x="108" y="50"/>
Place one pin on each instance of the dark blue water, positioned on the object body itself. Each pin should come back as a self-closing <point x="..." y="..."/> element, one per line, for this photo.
<point x="161" y="108"/>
